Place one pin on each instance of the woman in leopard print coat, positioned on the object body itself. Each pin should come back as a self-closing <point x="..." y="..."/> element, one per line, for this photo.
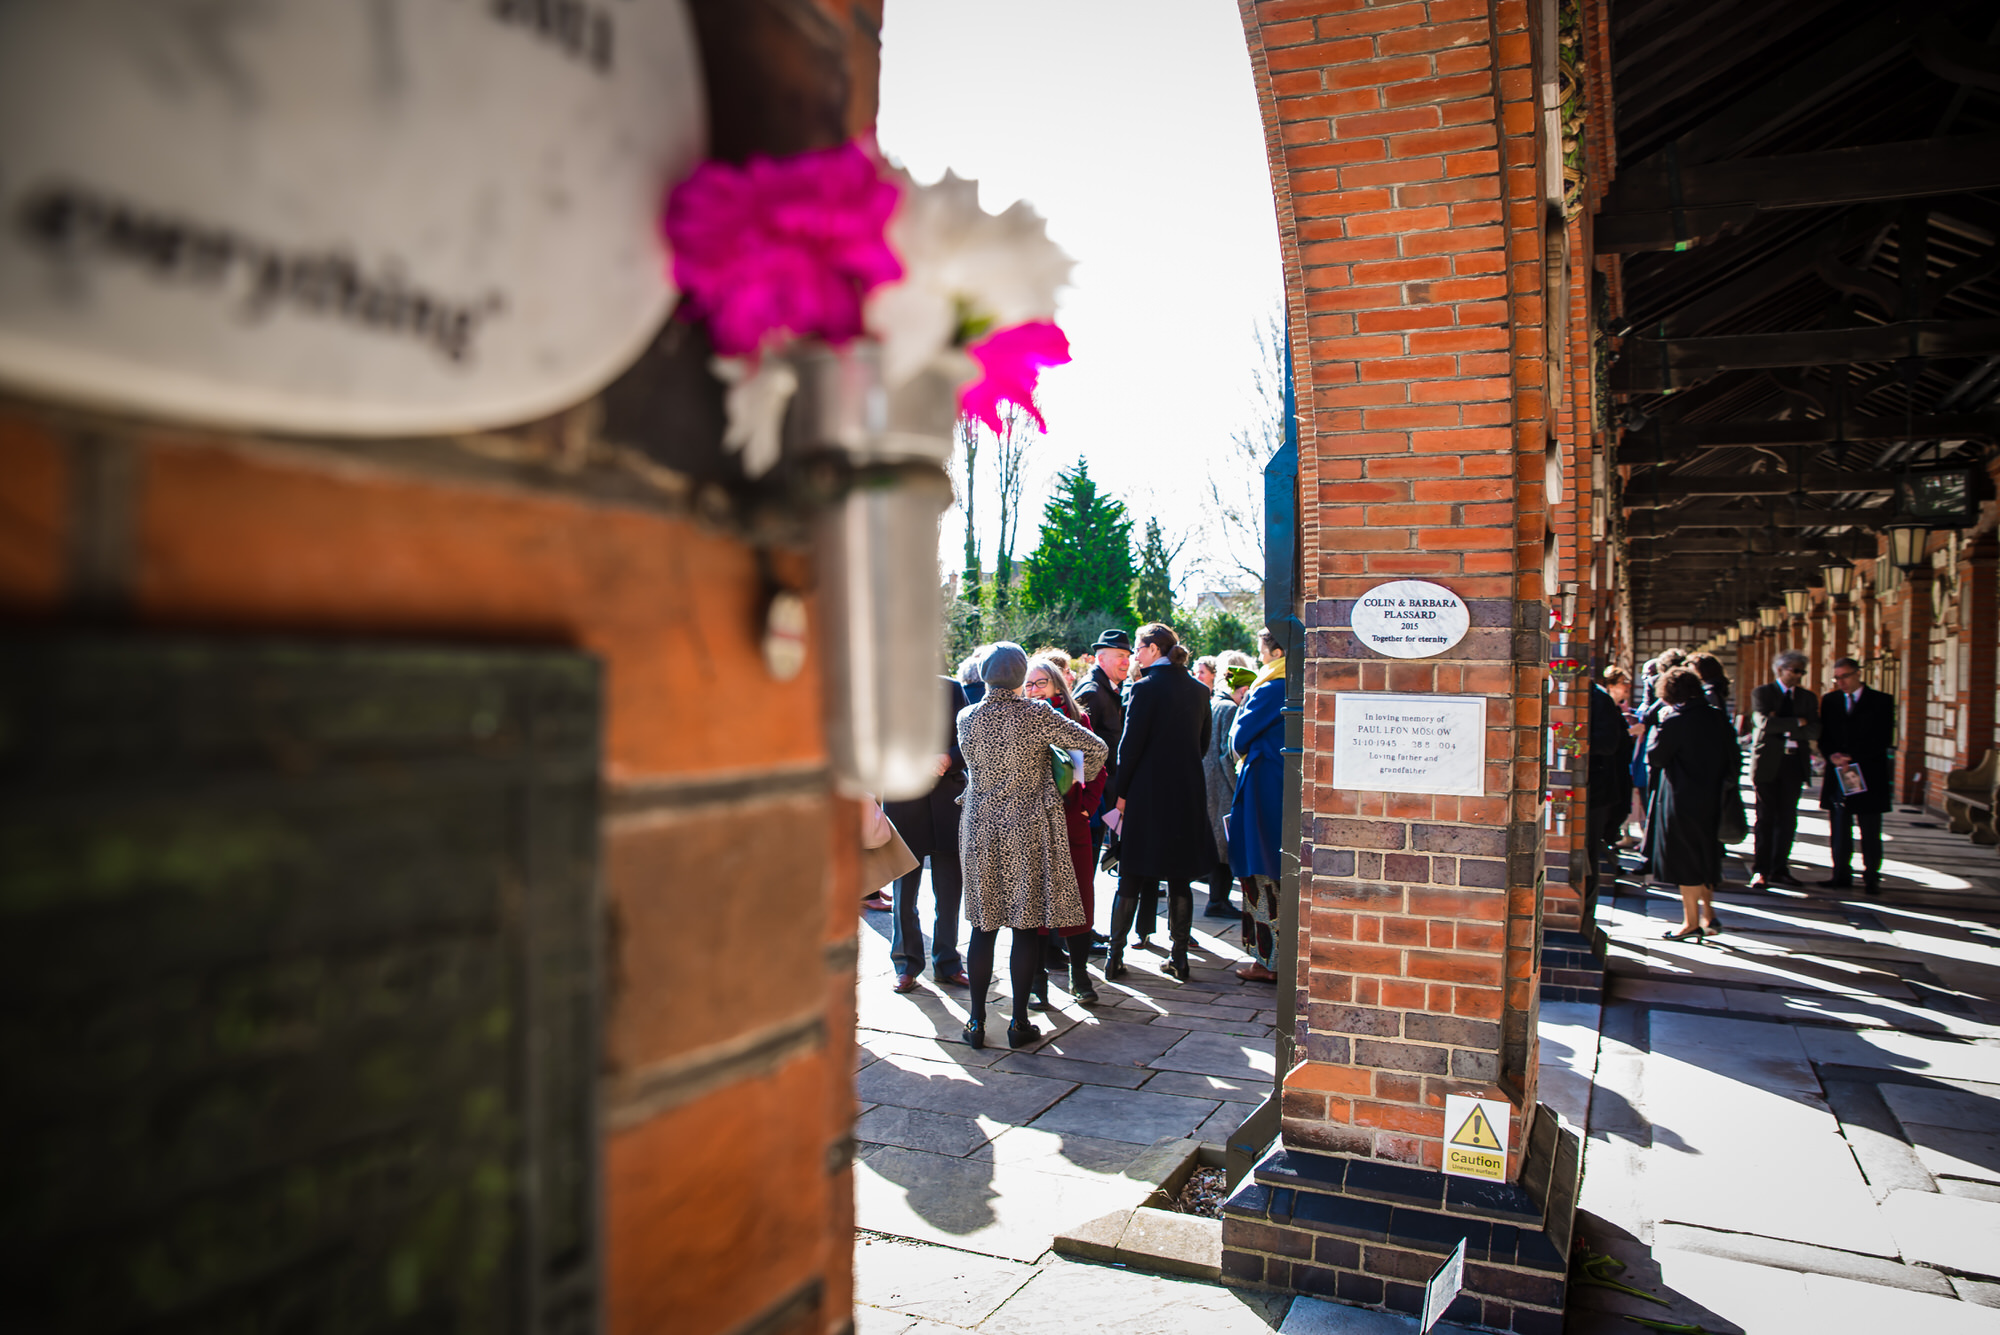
<point x="1012" y="841"/>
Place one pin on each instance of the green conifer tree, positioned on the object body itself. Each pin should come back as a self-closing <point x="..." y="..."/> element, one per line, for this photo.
<point x="1083" y="557"/>
<point x="1153" y="590"/>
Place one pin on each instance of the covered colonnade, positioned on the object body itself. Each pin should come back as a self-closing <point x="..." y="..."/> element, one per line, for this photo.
<point x="1627" y="325"/>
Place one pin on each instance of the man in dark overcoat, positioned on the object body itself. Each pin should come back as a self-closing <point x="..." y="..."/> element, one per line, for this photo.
<point x="1162" y="795"/>
<point x="1100" y="696"/>
<point x="1857" y="726"/>
<point x="929" y="825"/>
<point x="1785" y="724"/>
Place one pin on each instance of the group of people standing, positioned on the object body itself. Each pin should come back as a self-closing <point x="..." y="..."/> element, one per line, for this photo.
<point x="1045" y="776"/>
<point x="1681" y="755"/>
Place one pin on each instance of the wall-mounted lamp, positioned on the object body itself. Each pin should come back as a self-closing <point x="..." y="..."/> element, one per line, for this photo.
<point x="1769" y="615"/>
<point x="1906" y="545"/>
<point x="1746" y="628"/>
<point x="1839" y="578"/>
<point x="1798" y="602"/>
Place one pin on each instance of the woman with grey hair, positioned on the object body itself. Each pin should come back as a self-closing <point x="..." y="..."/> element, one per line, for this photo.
<point x="1013" y="842"/>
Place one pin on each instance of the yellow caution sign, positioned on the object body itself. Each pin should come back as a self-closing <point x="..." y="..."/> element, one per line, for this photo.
<point x="1477" y="1132"/>
<point x="1475" y="1137"/>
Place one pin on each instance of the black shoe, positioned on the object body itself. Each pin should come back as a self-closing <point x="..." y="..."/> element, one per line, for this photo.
<point x="1838" y="882"/>
<point x="1690" y="934"/>
<point x="1871" y="885"/>
<point x="1020" y="1035"/>
<point x="974" y="1033"/>
<point x="1222" y="910"/>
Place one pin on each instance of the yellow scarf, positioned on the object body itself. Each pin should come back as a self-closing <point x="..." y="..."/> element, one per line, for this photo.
<point x="1274" y="671"/>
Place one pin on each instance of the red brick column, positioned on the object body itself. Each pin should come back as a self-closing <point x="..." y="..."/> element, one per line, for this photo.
<point x="1911" y="633"/>
<point x="1406" y="161"/>
<point x="1979" y="636"/>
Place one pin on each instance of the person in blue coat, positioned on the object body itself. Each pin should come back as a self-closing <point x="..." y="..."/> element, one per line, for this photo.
<point x="1257" y="814"/>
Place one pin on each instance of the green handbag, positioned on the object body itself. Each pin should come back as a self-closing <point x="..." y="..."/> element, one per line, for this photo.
<point x="1062" y="768"/>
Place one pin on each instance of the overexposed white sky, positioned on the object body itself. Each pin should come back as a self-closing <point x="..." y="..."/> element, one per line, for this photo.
<point x="1132" y="126"/>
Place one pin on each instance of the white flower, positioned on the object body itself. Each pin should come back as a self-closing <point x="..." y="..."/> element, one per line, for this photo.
<point x="756" y="406"/>
<point x="966" y="273"/>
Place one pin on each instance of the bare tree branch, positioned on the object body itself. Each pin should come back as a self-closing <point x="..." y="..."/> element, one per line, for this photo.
<point x="1234" y="518"/>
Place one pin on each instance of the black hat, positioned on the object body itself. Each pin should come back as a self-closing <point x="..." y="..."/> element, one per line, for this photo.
<point x="1114" y="639"/>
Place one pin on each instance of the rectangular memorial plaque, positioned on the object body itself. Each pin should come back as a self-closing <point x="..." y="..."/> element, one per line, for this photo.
<point x="1395" y="743"/>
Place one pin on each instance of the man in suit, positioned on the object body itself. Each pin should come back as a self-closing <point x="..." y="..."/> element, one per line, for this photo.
<point x="1610" y="763"/>
<point x="1785" y="724"/>
<point x="1098" y="696"/>
<point x="929" y="825"/>
<point x="1857" y="727"/>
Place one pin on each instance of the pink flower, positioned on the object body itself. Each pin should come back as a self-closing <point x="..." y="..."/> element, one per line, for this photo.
<point x="782" y="246"/>
<point x="1012" y="360"/>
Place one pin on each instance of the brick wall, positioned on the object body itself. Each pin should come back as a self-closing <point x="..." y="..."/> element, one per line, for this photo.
<point x="1404" y="157"/>
<point x="729" y="956"/>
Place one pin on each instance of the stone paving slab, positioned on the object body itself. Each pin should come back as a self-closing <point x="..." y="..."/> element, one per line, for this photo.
<point x="1040" y="1062"/>
<point x="1068" y="1155"/>
<point x="1310" y="1316"/>
<point x="1136" y="1116"/>
<point x="1965" y="1110"/>
<point x="886" y="1043"/>
<point x="1072" y="1297"/>
<point x="1905" y="1052"/>
<point x="915" y="1129"/>
<point x="998" y="1209"/>
<point x="1112" y="1042"/>
<point x="1950" y="1231"/>
<point x="911" y="1082"/>
<point x="1950" y="1152"/>
<point x="1252" y="1090"/>
<point x="1723" y="1096"/>
<point x="1228" y="1056"/>
<point x="938" y="1284"/>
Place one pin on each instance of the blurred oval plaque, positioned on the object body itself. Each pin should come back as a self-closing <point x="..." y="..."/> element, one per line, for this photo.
<point x="374" y="218"/>
<point x="1410" y="618"/>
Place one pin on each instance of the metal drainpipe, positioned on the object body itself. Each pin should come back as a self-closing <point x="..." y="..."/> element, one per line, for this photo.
<point x="1281" y="614"/>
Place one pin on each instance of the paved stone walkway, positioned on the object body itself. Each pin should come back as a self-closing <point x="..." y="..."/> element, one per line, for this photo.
<point x="1795" y="1126"/>
<point x="969" y="1163"/>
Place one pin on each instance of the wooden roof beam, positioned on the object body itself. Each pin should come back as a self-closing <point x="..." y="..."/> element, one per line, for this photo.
<point x="1650" y="366"/>
<point x="1661" y="206"/>
<point x="1643" y="491"/>
<point x="1673" y="439"/>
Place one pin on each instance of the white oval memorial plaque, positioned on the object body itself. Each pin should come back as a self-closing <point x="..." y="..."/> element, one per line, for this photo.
<point x="1410" y="618"/>
<point x="352" y="218"/>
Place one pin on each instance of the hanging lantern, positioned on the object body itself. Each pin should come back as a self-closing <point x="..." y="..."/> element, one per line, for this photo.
<point x="1798" y="602"/>
<point x="1839" y="578"/>
<point x="1769" y="615"/>
<point x="1746" y="628"/>
<point x="1906" y="545"/>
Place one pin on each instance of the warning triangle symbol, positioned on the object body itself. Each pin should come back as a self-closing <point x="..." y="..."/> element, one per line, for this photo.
<point x="1477" y="1132"/>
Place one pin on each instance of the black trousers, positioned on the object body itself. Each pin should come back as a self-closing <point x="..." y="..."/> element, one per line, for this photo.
<point x="1777" y="826"/>
<point x="1843" y="822"/>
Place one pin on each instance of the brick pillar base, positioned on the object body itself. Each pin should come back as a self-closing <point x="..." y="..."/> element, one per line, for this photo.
<point x="1573" y="964"/>
<point x="1369" y="1233"/>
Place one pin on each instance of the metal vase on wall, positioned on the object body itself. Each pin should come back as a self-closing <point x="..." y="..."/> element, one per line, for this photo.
<point x="877" y="456"/>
